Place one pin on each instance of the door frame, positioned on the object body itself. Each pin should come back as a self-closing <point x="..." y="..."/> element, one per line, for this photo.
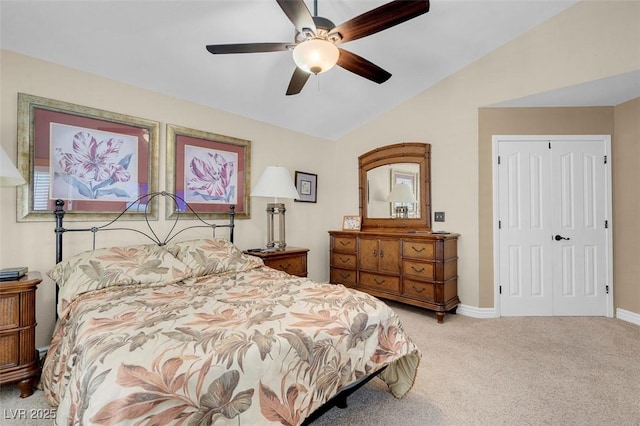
<point x="606" y="139"/>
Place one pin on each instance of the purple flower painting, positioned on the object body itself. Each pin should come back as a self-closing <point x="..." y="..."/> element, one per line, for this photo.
<point x="210" y="175"/>
<point x="93" y="164"/>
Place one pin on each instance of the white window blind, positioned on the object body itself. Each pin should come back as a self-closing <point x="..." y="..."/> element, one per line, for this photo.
<point x="41" y="190"/>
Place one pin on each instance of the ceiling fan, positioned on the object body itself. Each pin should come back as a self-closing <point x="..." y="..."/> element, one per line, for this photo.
<point x="315" y="46"/>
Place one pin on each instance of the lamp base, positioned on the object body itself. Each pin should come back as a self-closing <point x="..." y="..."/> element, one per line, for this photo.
<point x="276" y="209"/>
<point x="402" y="212"/>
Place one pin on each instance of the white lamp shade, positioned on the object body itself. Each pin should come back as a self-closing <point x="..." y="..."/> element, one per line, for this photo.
<point x="315" y="55"/>
<point x="401" y="193"/>
<point x="9" y="175"/>
<point x="275" y="182"/>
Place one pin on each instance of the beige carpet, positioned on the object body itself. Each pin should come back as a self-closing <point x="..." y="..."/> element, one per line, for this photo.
<point x="505" y="371"/>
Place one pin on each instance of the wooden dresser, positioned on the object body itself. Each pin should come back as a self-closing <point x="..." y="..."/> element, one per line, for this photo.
<point x="292" y="260"/>
<point x="417" y="268"/>
<point x="19" y="361"/>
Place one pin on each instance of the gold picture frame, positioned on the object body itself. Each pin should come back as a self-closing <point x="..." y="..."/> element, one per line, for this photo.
<point x="191" y="156"/>
<point x="97" y="161"/>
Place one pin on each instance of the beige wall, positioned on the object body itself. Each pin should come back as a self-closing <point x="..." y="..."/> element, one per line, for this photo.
<point x="625" y="151"/>
<point x="522" y="121"/>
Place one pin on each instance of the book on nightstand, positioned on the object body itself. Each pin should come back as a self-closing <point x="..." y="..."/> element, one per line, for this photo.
<point x="7" y="274"/>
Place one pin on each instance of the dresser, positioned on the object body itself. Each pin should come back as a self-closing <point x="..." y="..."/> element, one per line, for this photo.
<point x="418" y="268"/>
<point x="19" y="361"/>
<point x="292" y="260"/>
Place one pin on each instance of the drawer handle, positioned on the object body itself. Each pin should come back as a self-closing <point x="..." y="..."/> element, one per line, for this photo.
<point x="417" y="270"/>
<point x="285" y="267"/>
<point x="375" y="253"/>
<point x="379" y="282"/>
<point x="343" y="260"/>
<point x="381" y="253"/>
<point x="417" y="290"/>
<point x="420" y="250"/>
<point x="345" y="243"/>
<point x="345" y="276"/>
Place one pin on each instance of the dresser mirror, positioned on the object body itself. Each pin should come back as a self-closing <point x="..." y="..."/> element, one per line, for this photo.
<point x="395" y="187"/>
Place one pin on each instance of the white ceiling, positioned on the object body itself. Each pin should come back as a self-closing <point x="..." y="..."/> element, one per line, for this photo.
<point x="160" y="45"/>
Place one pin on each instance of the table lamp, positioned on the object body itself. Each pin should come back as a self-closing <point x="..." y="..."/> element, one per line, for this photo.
<point x="9" y="175"/>
<point x="275" y="182"/>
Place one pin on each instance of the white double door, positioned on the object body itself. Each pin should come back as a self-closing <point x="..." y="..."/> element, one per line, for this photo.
<point x="553" y="201"/>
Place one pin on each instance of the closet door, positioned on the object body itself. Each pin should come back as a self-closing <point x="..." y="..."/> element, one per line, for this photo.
<point x="553" y="238"/>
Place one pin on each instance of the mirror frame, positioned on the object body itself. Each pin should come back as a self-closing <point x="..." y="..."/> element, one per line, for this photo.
<point x="404" y="152"/>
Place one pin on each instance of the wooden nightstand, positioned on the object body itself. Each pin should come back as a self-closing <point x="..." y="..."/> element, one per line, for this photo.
<point x="19" y="361"/>
<point x="292" y="260"/>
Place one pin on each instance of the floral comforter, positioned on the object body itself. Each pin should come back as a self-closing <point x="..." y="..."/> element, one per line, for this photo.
<point x="251" y="346"/>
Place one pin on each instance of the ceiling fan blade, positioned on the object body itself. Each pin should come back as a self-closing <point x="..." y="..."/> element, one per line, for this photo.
<point x="247" y="48"/>
<point x="360" y="66"/>
<point x="298" y="80"/>
<point x="298" y="14"/>
<point x="381" y="18"/>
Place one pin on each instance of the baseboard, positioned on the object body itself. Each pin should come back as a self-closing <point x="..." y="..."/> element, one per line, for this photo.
<point x="629" y="316"/>
<point x="472" y="311"/>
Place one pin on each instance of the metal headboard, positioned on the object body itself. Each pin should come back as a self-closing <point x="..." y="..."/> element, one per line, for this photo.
<point x="151" y="234"/>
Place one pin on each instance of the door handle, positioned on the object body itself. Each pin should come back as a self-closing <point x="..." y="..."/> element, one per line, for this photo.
<point x="560" y="237"/>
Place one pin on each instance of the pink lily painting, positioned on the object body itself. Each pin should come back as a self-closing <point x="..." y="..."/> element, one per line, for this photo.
<point x="93" y="164"/>
<point x="210" y="175"/>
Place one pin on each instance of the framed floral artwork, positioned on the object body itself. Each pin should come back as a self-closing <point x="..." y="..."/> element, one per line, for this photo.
<point x="98" y="162"/>
<point x="208" y="171"/>
<point x="307" y="185"/>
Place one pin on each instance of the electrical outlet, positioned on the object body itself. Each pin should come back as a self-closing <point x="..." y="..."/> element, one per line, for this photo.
<point x="438" y="216"/>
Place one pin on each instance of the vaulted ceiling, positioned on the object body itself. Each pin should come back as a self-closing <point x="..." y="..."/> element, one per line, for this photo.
<point x="160" y="46"/>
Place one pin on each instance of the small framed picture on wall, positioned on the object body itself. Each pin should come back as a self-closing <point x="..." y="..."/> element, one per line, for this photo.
<point x="307" y="186"/>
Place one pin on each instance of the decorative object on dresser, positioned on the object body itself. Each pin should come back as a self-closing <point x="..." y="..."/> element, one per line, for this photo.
<point x="275" y="182"/>
<point x="9" y="175"/>
<point x="397" y="258"/>
<point x="292" y="260"/>
<point x="351" y="222"/>
<point x="19" y="361"/>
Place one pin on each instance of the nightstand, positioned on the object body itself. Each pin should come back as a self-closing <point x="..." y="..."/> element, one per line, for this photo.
<point x="292" y="260"/>
<point x="19" y="360"/>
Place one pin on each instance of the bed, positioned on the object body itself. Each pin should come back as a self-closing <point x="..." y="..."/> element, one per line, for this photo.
<point x="197" y="332"/>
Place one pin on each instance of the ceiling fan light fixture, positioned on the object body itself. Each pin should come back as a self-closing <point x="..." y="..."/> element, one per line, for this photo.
<point x="316" y="55"/>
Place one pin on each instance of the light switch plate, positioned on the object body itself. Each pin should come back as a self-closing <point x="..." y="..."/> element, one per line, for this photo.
<point x="438" y="216"/>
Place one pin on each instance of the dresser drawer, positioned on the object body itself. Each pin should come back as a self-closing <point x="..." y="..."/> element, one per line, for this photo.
<point x="419" y="290"/>
<point x="343" y="276"/>
<point x="423" y="250"/>
<point x="294" y="265"/>
<point x="345" y="244"/>
<point x="342" y="260"/>
<point x="384" y="283"/>
<point x="418" y="270"/>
